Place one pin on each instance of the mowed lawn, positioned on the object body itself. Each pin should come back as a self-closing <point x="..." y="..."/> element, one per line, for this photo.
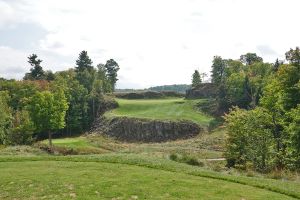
<point x="100" y="180"/>
<point x="166" y="109"/>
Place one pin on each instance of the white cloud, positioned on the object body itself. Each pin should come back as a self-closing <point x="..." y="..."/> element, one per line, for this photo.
<point x="12" y="64"/>
<point x="161" y="42"/>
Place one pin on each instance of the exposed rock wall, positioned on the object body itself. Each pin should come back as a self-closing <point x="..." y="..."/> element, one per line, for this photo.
<point x="205" y="90"/>
<point x="145" y="130"/>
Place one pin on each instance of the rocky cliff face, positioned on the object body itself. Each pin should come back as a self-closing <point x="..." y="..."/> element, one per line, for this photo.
<point x="145" y="130"/>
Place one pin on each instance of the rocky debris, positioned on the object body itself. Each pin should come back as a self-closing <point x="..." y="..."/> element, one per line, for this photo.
<point x="205" y="90"/>
<point x="145" y="130"/>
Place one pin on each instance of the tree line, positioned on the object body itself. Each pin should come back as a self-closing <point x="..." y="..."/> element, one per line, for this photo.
<point x="262" y="105"/>
<point x="44" y="102"/>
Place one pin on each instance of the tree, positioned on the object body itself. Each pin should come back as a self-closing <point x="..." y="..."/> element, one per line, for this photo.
<point x="85" y="71"/>
<point x="102" y="75"/>
<point x="293" y="56"/>
<point x="250" y="58"/>
<point x="112" y="69"/>
<point x="49" y="76"/>
<point x="77" y="118"/>
<point x="5" y="117"/>
<point x="294" y="129"/>
<point x="84" y="62"/>
<point x="196" y="79"/>
<point x="277" y="64"/>
<point x="23" y="129"/>
<point x="48" y="111"/>
<point x="218" y="70"/>
<point x="37" y="72"/>
<point x="249" y="138"/>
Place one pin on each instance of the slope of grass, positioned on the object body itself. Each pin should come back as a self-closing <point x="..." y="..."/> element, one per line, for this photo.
<point x="75" y="145"/>
<point x="113" y="176"/>
<point x="166" y="109"/>
<point x="203" y="146"/>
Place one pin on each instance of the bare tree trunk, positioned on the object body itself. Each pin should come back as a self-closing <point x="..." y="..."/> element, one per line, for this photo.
<point x="50" y="138"/>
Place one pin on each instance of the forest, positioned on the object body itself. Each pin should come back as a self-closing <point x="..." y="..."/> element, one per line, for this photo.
<point x="46" y="103"/>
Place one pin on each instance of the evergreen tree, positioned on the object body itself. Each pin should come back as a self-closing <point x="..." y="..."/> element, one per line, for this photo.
<point x="112" y="69"/>
<point x="196" y="79"/>
<point x="276" y="65"/>
<point x="37" y="72"/>
<point x="84" y="62"/>
<point x="85" y="71"/>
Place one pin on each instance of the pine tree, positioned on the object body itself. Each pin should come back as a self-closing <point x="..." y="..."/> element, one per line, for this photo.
<point x="196" y="80"/>
<point x="84" y="62"/>
<point x="37" y="72"/>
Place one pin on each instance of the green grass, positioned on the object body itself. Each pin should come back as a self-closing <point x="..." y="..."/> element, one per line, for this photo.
<point x="166" y="109"/>
<point x="76" y="145"/>
<point x="118" y="176"/>
<point x="76" y="142"/>
<point x="203" y="146"/>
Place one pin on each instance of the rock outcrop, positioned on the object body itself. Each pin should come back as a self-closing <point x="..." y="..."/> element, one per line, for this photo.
<point x="205" y="90"/>
<point x="145" y="130"/>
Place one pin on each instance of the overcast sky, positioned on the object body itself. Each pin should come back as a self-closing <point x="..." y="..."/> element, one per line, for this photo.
<point x="155" y="42"/>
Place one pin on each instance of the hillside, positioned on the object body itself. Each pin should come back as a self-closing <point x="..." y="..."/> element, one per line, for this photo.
<point x="165" y="109"/>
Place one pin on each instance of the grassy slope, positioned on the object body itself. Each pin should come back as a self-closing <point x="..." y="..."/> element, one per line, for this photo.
<point x="201" y="147"/>
<point x="106" y="177"/>
<point x="167" y="109"/>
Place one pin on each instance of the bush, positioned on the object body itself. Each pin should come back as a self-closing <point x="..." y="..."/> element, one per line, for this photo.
<point x="250" y="139"/>
<point x="173" y="157"/>
<point x="186" y="159"/>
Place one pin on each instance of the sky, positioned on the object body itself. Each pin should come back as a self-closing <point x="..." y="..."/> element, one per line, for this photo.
<point x="155" y="42"/>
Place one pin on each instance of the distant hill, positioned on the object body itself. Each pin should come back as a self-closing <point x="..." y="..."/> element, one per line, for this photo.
<point x="180" y="88"/>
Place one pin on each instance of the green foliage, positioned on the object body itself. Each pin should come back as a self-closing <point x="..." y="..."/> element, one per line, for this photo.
<point x="37" y="72"/>
<point x="23" y="129"/>
<point x="218" y="70"/>
<point x="293" y="56"/>
<point x="5" y="117"/>
<point x="112" y="68"/>
<point x="186" y="159"/>
<point x="48" y="110"/>
<point x="250" y="58"/>
<point x="19" y="92"/>
<point x="84" y="62"/>
<point x="240" y="84"/>
<point x="196" y="79"/>
<point x="250" y="138"/>
<point x="293" y="129"/>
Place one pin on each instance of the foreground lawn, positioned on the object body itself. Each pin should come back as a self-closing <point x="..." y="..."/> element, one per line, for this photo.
<point x="117" y="177"/>
<point x="167" y="109"/>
